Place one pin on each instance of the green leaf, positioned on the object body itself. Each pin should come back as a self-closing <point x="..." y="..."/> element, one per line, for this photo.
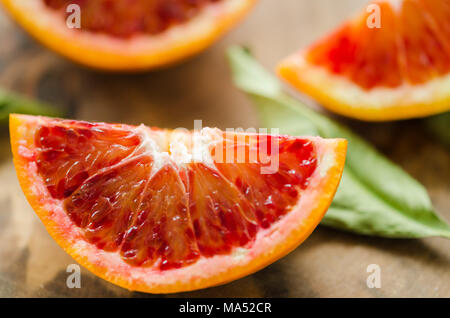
<point x="13" y="103"/>
<point x="376" y="197"/>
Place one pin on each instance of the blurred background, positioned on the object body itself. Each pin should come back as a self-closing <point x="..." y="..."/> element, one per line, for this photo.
<point x="329" y="264"/>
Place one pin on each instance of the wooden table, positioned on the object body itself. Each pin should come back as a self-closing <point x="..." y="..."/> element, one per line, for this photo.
<point x="329" y="264"/>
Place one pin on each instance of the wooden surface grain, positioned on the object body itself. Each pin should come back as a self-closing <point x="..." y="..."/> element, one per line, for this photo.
<point x="329" y="264"/>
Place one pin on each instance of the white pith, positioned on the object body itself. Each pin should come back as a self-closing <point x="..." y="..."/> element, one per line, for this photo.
<point x="178" y="148"/>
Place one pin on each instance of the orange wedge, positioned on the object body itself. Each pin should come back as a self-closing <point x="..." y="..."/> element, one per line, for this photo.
<point x="391" y="62"/>
<point x="165" y="211"/>
<point x="127" y="35"/>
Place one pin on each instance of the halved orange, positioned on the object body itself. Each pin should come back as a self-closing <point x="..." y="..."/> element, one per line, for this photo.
<point x="400" y="70"/>
<point x="128" y="35"/>
<point x="165" y="211"/>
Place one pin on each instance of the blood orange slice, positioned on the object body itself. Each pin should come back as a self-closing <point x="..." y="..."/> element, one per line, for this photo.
<point x="399" y="70"/>
<point x="128" y="35"/>
<point x="164" y="211"/>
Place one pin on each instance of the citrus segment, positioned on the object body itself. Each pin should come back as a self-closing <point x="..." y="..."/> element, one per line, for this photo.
<point x="394" y="70"/>
<point x="134" y="206"/>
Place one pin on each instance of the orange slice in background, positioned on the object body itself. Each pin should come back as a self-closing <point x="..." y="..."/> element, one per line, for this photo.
<point x="397" y="71"/>
<point x="128" y="35"/>
<point x="165" y="211"/>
